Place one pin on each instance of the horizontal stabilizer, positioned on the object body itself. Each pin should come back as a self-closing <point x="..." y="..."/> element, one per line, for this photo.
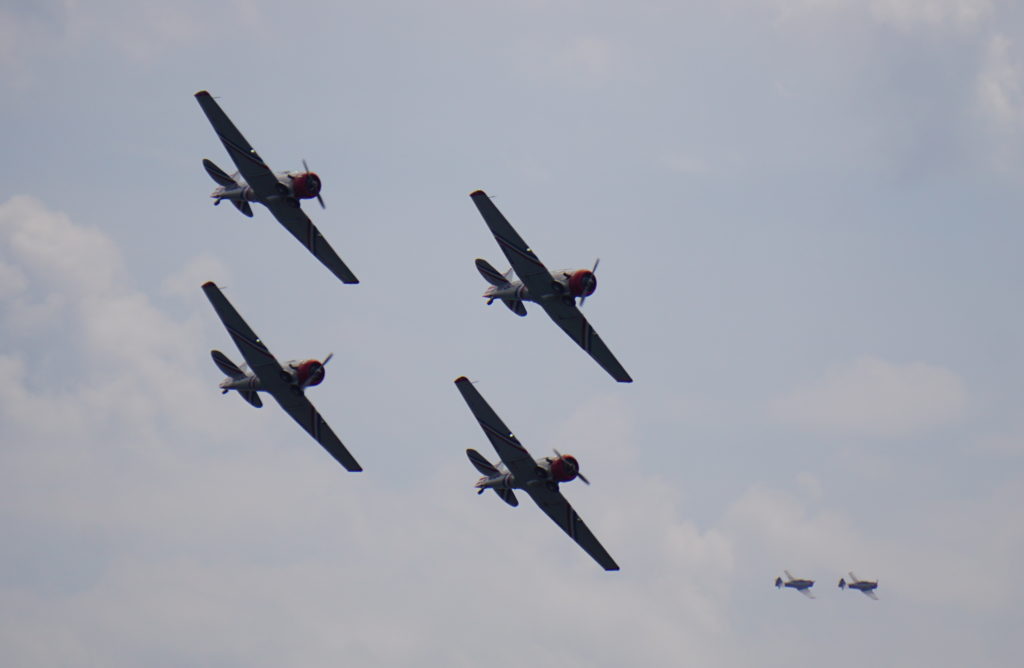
<point x="491" y="275"/>
<point x="516" y="306"/>
<point x="252" y="397"/>
<point x="508" y="497"/>
<point x="481" y="463"/>
<point x="218" y="174"/>
<point x="243" y="207"/>
<point x="229" y="368"/>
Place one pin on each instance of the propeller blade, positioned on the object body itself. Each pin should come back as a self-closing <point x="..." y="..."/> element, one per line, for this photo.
<point x="596" y="262"/>
<point x="327" y="359"/>
<point x="304" y="165"/>
<point x="321" y="200"/>
<point x="582" y="477"/>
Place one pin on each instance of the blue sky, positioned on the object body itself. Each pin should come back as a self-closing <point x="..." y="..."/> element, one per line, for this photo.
<point x="806" y="214"/>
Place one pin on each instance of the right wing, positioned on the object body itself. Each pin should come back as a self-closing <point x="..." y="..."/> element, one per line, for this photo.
<point x="558" y="509"/>
<point x="530" y="270"/>
<point x="303" y="412"/>
<point x="515" y="457"/>
<point x="806" y="592"/>
<point x="870" y="593"/>
<point x="565" y="314"/>
<point x="302" y="228"/>
<point x="257" y="356"/>
<point x="251" y="166"/>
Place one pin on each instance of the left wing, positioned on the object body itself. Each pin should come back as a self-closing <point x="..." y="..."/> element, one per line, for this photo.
<point x="806" y="591"/>
<point x="257" y="356"/>
<point x="565" y="314"/>
<point x="530" y="270"/>
<point x="557" y="508"/>
<point x="302" y="411"/>
<point x="251" y="166"/>
<point x="515" y="457"/>
<point x="302" y="228"/>
<point x="870" y="593"/>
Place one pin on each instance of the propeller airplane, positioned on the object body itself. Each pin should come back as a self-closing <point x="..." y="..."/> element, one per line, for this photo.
<point x="280" y="192"/>
<point x="539" y="478"/>
<point x="263" y="373"/>
<point x="555" y="291"/>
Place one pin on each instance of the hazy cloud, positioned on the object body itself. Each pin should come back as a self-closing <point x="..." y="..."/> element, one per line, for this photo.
<point x="875" y="397"/>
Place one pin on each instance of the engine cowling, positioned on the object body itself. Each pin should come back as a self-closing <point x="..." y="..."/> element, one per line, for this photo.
<point x="309" y="373"/>
<point x="306" y="185"/>
<point x="564" y="468"/>
<point x="582" y="283"/>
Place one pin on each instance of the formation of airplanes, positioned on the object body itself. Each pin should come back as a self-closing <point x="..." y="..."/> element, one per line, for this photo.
<point x="527" y="280"/>
<point x="803" y="585"/>
<point x="555" y="292"/>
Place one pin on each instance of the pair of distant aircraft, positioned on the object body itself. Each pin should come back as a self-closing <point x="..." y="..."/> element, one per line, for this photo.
<point x="802" y="585"/>
<point x="556" y="292"/>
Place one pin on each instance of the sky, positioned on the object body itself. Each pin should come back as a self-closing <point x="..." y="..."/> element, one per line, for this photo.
<point x="806" y="215"/>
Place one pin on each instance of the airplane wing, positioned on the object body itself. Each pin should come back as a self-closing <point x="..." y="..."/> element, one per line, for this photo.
<point x="251" y="166"/>
<point x="257" y="356"/>
<point x="558" y="509"/>
<point x="789" y="576"/>
<point x="515" y="457"/>
<point x="272" y="378"/>
<point x="519" y="462"/>
<point x="565" y="314"/>
<point x="302" y="228"/>
<point x="870" y="593"/>
<point x="806" y="592"/>
<point x="302" y="411"/>
<point x="530" y="270"/>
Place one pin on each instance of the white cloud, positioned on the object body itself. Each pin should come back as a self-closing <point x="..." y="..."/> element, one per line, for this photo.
<point x="874" y="397"/>
<point x="1000" y="85"/>
<point x="911" y="13"/>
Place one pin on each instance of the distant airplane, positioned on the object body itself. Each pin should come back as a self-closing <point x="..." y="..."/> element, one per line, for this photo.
<point x="554" y="291"/>
<point x="801" y="585"/>
<point x="539" y="478"/>
<point x="281" y="192"/>
<point x="865" y="587"/>
<point x="263" y="373"/>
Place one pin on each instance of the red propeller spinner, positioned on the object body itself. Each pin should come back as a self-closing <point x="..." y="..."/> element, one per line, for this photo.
<point x="565" y="468"/>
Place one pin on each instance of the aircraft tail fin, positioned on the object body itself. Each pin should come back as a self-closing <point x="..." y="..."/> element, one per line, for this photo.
<point x="243" y="207"/>
<point x="516" y="306"/>
<point x="842" y="583"/>
<point x="218" y="174"/>
<point x="225" y="365"/>
<point x="491" y="275"/>
<point x="491" y="471"/>
<point x="481" y="463"/>
<point x="778" y="582"/>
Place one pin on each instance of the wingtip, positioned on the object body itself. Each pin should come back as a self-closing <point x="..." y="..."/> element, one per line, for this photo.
<point x="627" y="379"/>
<point x="203" y="93"/>
<point x="476" y="193"/>
<point x="209" y="284"/>
<point x="461" y="379"/>
<point x="356" y="469"/>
